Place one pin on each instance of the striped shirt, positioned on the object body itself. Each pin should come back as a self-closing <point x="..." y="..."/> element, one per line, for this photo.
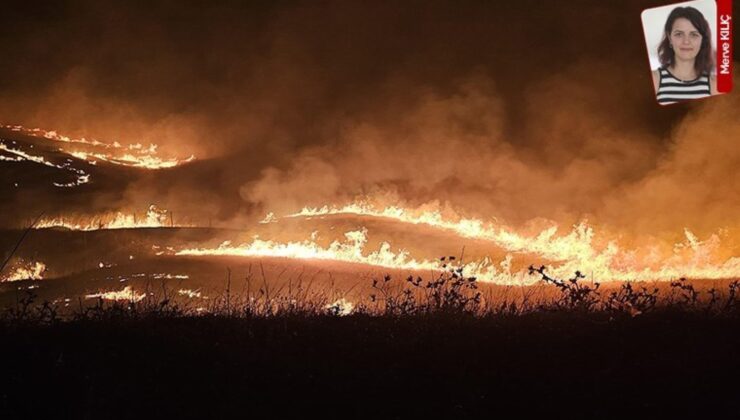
<point x="672" y="89"/>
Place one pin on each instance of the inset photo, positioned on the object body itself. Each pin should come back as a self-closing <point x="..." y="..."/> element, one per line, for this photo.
<point x="681" y="46"/>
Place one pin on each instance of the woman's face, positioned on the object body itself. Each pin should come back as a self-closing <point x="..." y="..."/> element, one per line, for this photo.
<point x="685" y="39"/>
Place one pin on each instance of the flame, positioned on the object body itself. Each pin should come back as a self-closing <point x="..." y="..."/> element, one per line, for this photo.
<point x="81" y="177"/>
<point x="576" y="250"/>
<point x="128" y="293"/>
<point x="32" y="271"/>
<point x="127" y="159"/>
<point x="269" y="218"/>
<point x="189" y="293"/>
<point x="154" y="218"/>
<point x="350" y="251"/>
<point x="159" y="276"/>
<point x="574" y="245"/>
<point x="133" y="155"/>
<point x="340" y="307"/>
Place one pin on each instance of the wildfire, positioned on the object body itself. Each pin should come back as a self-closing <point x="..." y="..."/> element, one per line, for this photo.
<point x="576" y="250"/>
<point x="30" y="271"/>
<point x="127" y="294"/>
<point x="349" y="251"/>
<point x="154" y="218"/>
<point x="133" y="155"/>
<point x="127" y="159"/>
<point x="18" y="155"/>
<point x="575" y="245"/>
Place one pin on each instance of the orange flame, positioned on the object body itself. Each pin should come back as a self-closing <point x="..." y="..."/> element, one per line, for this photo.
<point x="20" y="156"/>
<point x="351" y="251"/>
<point x="574" y="251"/>
<point x="190" y="293"/>
<point x="127" y="294"/>
<point x="341" y="307"/>
<point x="154" y="218"/>
<point x="133" y="155"/>
<point x="31" y="271"/>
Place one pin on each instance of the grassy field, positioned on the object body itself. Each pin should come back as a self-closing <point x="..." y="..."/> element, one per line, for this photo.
<point x="442" y="355"/>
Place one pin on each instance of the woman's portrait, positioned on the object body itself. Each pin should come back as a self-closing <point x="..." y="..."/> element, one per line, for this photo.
<point x="684" y="55"/>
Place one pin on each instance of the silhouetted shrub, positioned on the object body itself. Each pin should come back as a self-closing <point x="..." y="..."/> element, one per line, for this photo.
<point x="575" y="296"/>
<point x="632" y="301"/>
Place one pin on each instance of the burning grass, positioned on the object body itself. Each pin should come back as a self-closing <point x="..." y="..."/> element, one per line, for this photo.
<point x="450" y="293"/>
<point x="153" y="218"/>
<point x="25" y="271"/>
<point x="581" y="248"/>
<point x="92" y="151"/>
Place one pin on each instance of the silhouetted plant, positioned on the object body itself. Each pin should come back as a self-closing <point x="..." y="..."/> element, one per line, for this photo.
<point x="395" y="301"/>
<point x="448" y="292"/>
<point x="714" y="298"/>
<point x="574" y="295"/>
<point x="23" y="310"/>
<point x="47" y="313"/>
<point x="630" y="301"/>
<point x="731" y="302"/>
<point x="688" y="295"/>
<point x="451" y="292"/>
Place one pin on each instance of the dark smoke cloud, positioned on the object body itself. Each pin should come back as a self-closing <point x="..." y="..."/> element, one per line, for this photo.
<point x="517" y="111"/>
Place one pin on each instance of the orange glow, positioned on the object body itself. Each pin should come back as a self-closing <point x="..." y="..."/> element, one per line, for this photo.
<point x="133" y="155"/>
<point x="127" y="294"/>
<point x="29" y="271"/>
<point x="154" y="218"/>
<point x="352" y="251"/>
<point x="575" y="250"/>
<point x="341" y="307"/>
<point x="191" y="293"/>
<point x="20" y="156"/>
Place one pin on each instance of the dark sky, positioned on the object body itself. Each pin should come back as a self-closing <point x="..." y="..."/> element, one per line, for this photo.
<point x="285" y="63"/>
<point x="518" y="110"/>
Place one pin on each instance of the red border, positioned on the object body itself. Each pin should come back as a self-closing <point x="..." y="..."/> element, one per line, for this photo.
<point x="724" y="46"/>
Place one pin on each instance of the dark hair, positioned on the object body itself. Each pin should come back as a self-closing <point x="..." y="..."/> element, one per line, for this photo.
<point x="703" y="63"/>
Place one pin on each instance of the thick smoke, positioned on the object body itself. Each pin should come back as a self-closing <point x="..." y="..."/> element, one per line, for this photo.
<point x="518" y="111"/>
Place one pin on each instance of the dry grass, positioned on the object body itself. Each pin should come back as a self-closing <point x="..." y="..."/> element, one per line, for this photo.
<point x="451" y="293"/>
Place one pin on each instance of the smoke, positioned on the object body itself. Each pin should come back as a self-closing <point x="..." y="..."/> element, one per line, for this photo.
<point x="518" y="111"/>
<point x="695" y="183"/>
<point x="575" y="159"/>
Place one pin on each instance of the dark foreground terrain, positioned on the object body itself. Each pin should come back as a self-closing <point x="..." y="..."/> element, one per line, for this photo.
<point x="685" y="364"/>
